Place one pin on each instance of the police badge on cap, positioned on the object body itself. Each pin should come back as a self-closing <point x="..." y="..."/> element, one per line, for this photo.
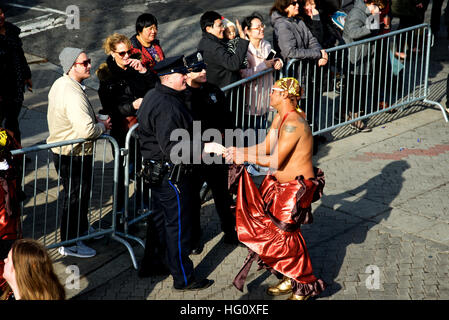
<point x="195" y="62"/>
<point x="171" y="65"/>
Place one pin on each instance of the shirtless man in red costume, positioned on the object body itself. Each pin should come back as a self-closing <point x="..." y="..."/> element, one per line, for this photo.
<point x="268" y="218"/>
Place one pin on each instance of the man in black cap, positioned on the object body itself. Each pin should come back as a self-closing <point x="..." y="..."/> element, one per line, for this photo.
<point x="167" y="168"/>
<point x="209" y="106"/>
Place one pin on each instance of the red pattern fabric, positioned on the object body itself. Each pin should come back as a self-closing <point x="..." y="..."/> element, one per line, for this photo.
<point x="10" y="197"/>
<point x="146" y="58"/>
<point x="281" y="250"/>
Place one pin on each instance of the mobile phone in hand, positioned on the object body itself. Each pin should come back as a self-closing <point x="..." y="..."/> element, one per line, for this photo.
<point x="271" y="55"/>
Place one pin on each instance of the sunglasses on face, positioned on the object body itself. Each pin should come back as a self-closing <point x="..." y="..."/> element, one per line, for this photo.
<point x="85" y="63"/>
<point x="198" y="68"/>
<point x="122" y="53"/>
<point x="294" y="3"/>
<point x="276" y="89"/>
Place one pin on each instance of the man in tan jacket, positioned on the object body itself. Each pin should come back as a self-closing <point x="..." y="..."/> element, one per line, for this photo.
<point x="71" y="116"/>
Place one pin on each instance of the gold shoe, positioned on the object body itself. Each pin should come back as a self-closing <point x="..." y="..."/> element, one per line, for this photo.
<point x="283" y="287"/>
<point x="298" y="297"/>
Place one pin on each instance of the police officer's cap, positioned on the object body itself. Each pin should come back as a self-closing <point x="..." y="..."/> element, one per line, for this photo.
<point x="195" y="62"/>
<point x="171" y="65"/>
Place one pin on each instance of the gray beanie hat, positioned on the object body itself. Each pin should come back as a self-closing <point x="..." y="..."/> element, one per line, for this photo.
<point x="68" y="57"/>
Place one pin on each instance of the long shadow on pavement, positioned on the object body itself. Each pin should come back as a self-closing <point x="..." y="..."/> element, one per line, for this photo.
<point x="333" y="230"/>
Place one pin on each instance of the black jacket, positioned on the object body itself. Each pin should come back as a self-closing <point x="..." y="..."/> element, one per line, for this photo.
<point x="321" y="28"/>
<point x="118" y="89"/>
<point x="163" y="110"/>
<point x="222" y="66"/>
<point x="209" y="105"/>
<point x="14" y="68"/>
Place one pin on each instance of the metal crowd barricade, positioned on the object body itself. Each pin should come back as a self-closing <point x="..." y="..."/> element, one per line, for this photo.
<point x="41" y="211"/>
<point x="132" y="166"/>
<point x="336" y="95"/>
<point x="250" y="100"/>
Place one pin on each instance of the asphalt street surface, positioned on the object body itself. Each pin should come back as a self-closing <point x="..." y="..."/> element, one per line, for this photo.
<point x="98" y="19"/>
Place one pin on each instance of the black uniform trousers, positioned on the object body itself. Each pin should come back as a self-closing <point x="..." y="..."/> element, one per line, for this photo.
<point x="170" y="229"/>
<point x="216" y="177"/>
<point x="74" y="222"/>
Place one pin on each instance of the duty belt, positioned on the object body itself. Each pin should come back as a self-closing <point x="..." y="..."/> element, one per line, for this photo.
<point x="153" y="171"/>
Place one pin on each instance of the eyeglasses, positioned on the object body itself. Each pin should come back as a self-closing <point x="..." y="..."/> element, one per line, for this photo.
<point x="262" y="26"/>
<point x="122" y="53"/>
<point x="198" y="68"/>
<point x="294" y="3"/>
<point x="276" y="89"/>
<point x="85" y="63"/>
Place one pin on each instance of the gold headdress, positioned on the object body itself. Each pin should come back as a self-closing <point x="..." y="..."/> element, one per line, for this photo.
<point x="291" y="85"/>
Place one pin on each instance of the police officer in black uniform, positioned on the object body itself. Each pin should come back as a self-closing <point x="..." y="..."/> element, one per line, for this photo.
<point x="209" y="106"/>
<point x="167" y="169"/>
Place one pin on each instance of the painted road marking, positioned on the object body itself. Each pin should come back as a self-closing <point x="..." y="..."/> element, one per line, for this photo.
<point x="36" y="8"/>
<point x="41" y="23"/>
<point x="403" y="153"/>
<point x="157" y="1"/>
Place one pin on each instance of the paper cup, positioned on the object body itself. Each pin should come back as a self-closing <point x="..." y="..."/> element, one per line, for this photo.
<point x="103" y="117"/>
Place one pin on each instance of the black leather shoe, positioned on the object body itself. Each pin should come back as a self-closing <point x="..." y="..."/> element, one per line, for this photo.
<point x="196" y="285"/>
<point x="153" y="270"/>
<point x="198" y="249"/>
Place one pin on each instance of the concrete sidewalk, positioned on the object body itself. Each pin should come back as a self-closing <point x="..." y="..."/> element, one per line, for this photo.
<point x="385" y="208"/>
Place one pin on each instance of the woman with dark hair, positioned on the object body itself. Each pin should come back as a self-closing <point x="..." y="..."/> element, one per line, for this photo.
<point x="257" y="101"/>
<point x="292" y="36"/>
<point x="295" y="41"/>
<point x="145" y="40"/>
<point x="124" y="81"/>
<point x="29" y="273"/>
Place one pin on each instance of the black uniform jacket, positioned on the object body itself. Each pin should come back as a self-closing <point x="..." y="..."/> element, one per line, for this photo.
<point x="163" y="110"/>
<point x="209" y="105"/>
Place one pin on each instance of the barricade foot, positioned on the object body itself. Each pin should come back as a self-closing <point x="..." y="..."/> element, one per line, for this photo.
<point x="128" y="246"/>
<point x="138" y="240"/>
<point x="440" y="106"/>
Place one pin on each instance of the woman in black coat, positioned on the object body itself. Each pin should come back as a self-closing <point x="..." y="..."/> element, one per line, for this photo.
<point x="124" y="81"/>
